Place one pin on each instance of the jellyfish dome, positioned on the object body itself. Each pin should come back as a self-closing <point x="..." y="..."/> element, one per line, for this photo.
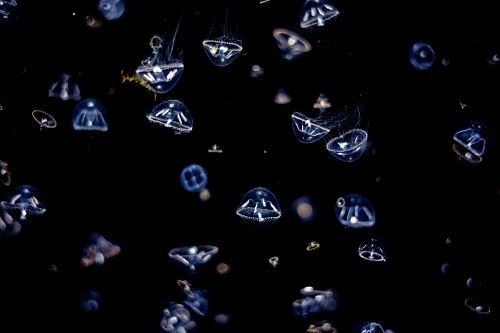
<point x="307" y="130"/>
<point x="194" y="178"/>
<point x="291" y="44"/>
<point x="422" y="56"/>
<point x="316" y="12"/>
<point x="355" y="211"/>
<point x="223" y="50"/>
<point x="25" y="200"/>
<point x="259" y="205"/>
<point x="472" y="140"/>
<point x="90" y="115"/>
<point x="349" y="146"/>
<point x="173" y="114"/>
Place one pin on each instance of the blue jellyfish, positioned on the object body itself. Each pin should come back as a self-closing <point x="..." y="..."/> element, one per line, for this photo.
<point x="471" y="141"/>
<point x="290" y="43"/>
<point x="111" y="9"/>
<point x="422" y="56"/>
<point x="194" y="178"/>
<point x="25" y="200"/>
<point x="65" y="88"/>
<point x="90" y="115"/>
<point x="173" y="114"/>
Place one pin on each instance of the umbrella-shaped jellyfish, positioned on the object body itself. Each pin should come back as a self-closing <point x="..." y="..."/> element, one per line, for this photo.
<point x="9" y="10"/>
<point x="44" y="119"/>
<point x="372" y="250"/>
<point x="314" y="301"/>
<point x="25" y="200"/>
<point x="4" y="174"/>
<point x="111" y="9"/>
<point x="316" y="12"/>
<point x="8" y="225"/>
<point x="355" y="211"/>
<point x="223" y="45"/>
<point x="422" y="56"/>
<point x="65" y="88"/>
<point x="369" y="327"/>
<point x="196" y="299"/>
<point x="90" y="115"/>
<point x="290" y="43"/>
<point x="176" y="319"/>
<point x="97" y="250"/>
<point x="472" y="140"/>
<point x="193" y="259"/>
<point x="194" y="178"/>
<point x="259" y="207"/>
<point x="173" y="114"/>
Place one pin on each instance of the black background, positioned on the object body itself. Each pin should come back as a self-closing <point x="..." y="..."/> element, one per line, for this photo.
<point x="124" y="183"/>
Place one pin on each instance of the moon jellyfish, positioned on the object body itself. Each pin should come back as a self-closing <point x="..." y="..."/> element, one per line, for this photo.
<point x="8" y="225"/>
<point x="369" y="327"/>
<point x="173" y="114"/>
<point x="472" y="140"/>
<point x="349" y="146"/>
<point x="259" y="207"/>
<point x="4" y="174"/>
<point x="65" y="88"/>
<point x="422" y="56"/>
<point x="316" y="12"/>
<point x="307" y="130"/>
<point x="314" y="301"/>
<point x="372" y="250"/>
<point x="97" y="250"/>
<point x="44" y="119"/>
<point x="223" y="45"/>
<point x="176" y="319"/>
<point x="194" y="178"/>
<point x="477" y="306"/>
<point x="193" y="259"/>
<point x="111" y="9"/>
<point x="25" y="201"/>
<point x="291" y="44"/>
<point x="90" y="115"/>
<point x="9" y="11"/>
<point x="355" y="211"/>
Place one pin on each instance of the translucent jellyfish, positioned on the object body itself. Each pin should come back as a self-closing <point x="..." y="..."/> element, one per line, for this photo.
<point x="176" y="319"/>
<point x="160" y="72"/>
<point x="223" y="45"/>
<point x="372" y="250"/>
<point x="349" y="146"/>
<point x="9" y="11"/>
<point x="472" y="140"/>
<point x="282" y="97"/>
<point x="313" y="246"/>
<point x="97" y="250"/>
<point x="307" y="130"/>
<point x="24" y="201"/>
<point x="259" y="207"/>
<point x="44" y="119"/>
<point x="65" y="88"/>
<point x="316" y="12"/>
<point x="322" y="103"/>
<point x="194" y="178"/>
<point x="324" y="326"/>
<point x="4" y="173"/>
<point x="90" y="115"/>
<point x="477" y="306"/>
<point x="111" y="9"/>
<point x="422" y="56"/>
<point x="314" y="301"/>
<point x="369" y="327"/>
<point x="8" y="225"/>
<point x="193" y="259"/>
<point x="256" y="71"/>
<point x="493" y="56"/>
<point x="305" y="209"/>
<point x="355" y="211"/>
<point x="274" y="261"/>
<point x="215" y="149"/>
<point x="90" y="300"/>
<point x="197" y="301"/>
<point x="291" y="44"/>
<point x="173" y="114"/>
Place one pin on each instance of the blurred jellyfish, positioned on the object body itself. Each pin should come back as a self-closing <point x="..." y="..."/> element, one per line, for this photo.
<point x="312" y="246"/>
<point x="173" y="114"/>
<point x="355" y="211"/>
<point x="477" y="306"/>
<point x="25" y="200"/>
<point x="281" y="97"/>
<point x="111" y="9"/>
<point x="97" y="250"/>
<point x="176" y="319"/>
<point x="369" y="327"/>
<point x="314" y="301"/>
<point x="44" y="119"/>
<point x="196" y="299"/>
<point x="90" y="115"/>
<point x="493" y="56"/>
<point x="473" y="282"/>
<point x="193" y="259"/>
<point x="223" y="45"/>
<point x="324" y="326"/>
<point x="65" y="88"/>
<point x="259" y="207"/>
<point x="322" y="103"/>
<point x="422" y="56"/>
<point x="472" y="140"/>
<point x="215" y="149"/>
<point x="9" y="10"/>
<point x="194" y="178"/>
<point x="305" y="209"/>
<point x="8" y="225"/>
<point x="90" y="300"/>
<point x="4" y="174"/>
<point x="274" y="261"/>
<point x="256" y="71"/>
<point x="372" y="250"/>
<point x="291" y="44"/>
<point x="307" y="130"/>
<point x="316" y="12"/>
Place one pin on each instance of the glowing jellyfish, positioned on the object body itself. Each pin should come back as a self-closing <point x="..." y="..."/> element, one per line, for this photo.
<point x="274" y="261"/>
<point x="314" y="301"/>
<point x="477" y="306"/>
<point x="222" y="45"/>
<point x="355" y="211"/>
<point x="493" y="56"/>
<point x="324" y="326"/>
<point x="196" y="299"/>
<point x="282" y="97"/>
<point x="97" y="250"/>
<point x="44" y="119"/>
<point x="369" y="327"/>
<point x="90" y="301"/>
<point x="193" y="259"/>
<point x="307" y="130"/>
<point x="173" y="114"/>
<point x="25" y="201"/>
<point x="194" y="178"/>
<point x="111" y="9"/>
<point x="90" y="115"/>
<point x="4" y="174"/>
<point x="160" y="72"/>
<point x="422" y="56"/>
<point x="472" y="140"/>
<point x="9" y="11"/>
<point x="305" y="209"/>
<point x="256" y="71"/>
<point x="313" y="246"/>
<point x="349" y="146"/>
<point x="291" y="44"/>
<point x="259" y="207"/>
<point x="176" y="319"/>
<point x="215" y="149"/>
<point x="8" y="225"/>
<point x="322" y="102"/>
<point x="316" y="12"/>
<point x="65" y="88"/>
<point x="372" y="250"/>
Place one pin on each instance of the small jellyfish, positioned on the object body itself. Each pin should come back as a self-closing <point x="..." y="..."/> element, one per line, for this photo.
<point x="472" y="140"/>
<point x="282" y="97"/>
<point x="314" y="301"/>
<point x="97" y="250"/>
<point x="111" y="9"/>
<point x="25" y="200"/>
<point x="324" y="326"/>
<point x="90" y="301"/>
<point x="90" y="115"/>
<point x="493" y="56"/>
<point x="369" y="327"/>
<point x="4" y="174"/>
<point x="291" y="44"/>
<point x="65" y="88"/>
<point x="215" y="149"/>
<point x="305" y="209"/>
<point x="176" y="319"/>
<point x="307" y="130"/>
<point x="256" y="71"/>
<point x="274" y="261"/>
<point x="355" y="211"/>
<point x="193" y="259"/>
<point x="197" y="301"/>
<point x="349" y="146"/>
<point x="312" y="246"/>
<point x="9" y="10"/>
<point x="259" y="207"/>
<point x="322" y="103"/>
<point x="422" y="56"/>
<point x="173" y="114"/>
<point x="316" y="12"/>
<point x="372" y="250"/>
<point x="44" y="119"/>
<point x="477" y="306"/>
<point x="8" y="225"/>
<point x="194" y="178"/>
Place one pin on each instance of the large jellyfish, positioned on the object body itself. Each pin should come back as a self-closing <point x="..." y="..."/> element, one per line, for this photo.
<point x="90" y="115"/>
<point x="422" y="56"/>
<point x="173" y="114"/>
<point x="25" y="200"/>
<point x="316" y="12"/>
<point x="259" y="207"/>
<point x="471" y="141"/>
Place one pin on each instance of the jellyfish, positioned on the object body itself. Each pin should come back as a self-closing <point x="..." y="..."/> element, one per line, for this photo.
<point x="194" y="178"/>
<point x="349" y="146"/>
<point x="372" y="250"/>
<point x="196" y="299"/>
<point x="223" y="45"/>
<point x="90" y="115"/>
<point x="314" y="301"/>
<point x="316" y="12"/>
<point x="355" y="211"/>
<point x="422" y="56"/>
<point x="173" y="114"/>
<point x="111" y="9"/>
<point x="176" y="319"/>
<point x="25" y="200"/>
<point x="193" y="259"/>
<point x="477" y="306"/>
<point x="44" y="119"/>
<point x="4" y="174"/>
<point x="65" y="88"/>
<point x="472" y="140"/>
<point x="97" y="250"/>
<point x="369" y="327"/>
<point x="8" y="225"/>
<point x="259" y="207"/>
<point x="90" y="300"/>
<point x="9" y="10"/>
<point x="290" y="44"/>
<point x="324" y="326"/>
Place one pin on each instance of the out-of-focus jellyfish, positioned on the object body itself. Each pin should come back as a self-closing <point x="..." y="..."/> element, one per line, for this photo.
<point x="349" y="146"/>
<point x="259" y="207"/>
<point x="4" y="174"/>
<point x="193" y="259"/>
<point x="97" y="250"/>
<point x="223" y="44"/>
<point x="176" y="319"/>
<point x="477" y="306"/>
<point x="312" y="246"/>
<point x="9" y="10"/>
<point x="314" y="301"/>
<point x="92" y="21"/>
<point x="282" y="97"/>
<point x="173" y="114"/>
<point x="194" y="178"/>
<point x="65" y="88"/>
<point x="422" y="56"/>
<point x="355" y="211"/>
<point x="368" y="327"/>
<point x="111" y="9"/>
<point x="44" y="119"/>
<point x="90" y="301"/>
<point x="274" y="261"/>
<point x="8" y="225"/>
<point x="493" y="56"/>
<point x="472" y="140"/>
<point x="324" y="326"/>
<point x="291" y="44"/>
<point x="305" y="209"/>
<point x="372" y="250"/>
<point x="25" y="200"/>
<point x="215" y="149"/>
<point x="256" y="71"/>
<point x="322" y="103"/>
<point x="196" y="299"/>
<point x="473" y="282"/>
<point x="90" y="115"/>
<point x="316" y="12"/>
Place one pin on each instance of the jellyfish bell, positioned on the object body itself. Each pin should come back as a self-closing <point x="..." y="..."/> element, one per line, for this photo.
<point x="316" y="13"/>
<point x="290" y="43"/>
<point x="349" y="146"/>
<point x="90" y="115"/>
<point x="111" y="9"/>
<point x="422" y="56"/>
<point x="172" y="114"/>
<point x="64" y="88"/>
<point x="193" y="259"/>
<point x="259" y="209"/>
<point x="355" y="211"/>
<point x="471" y="141"/>
<point x="24" y="200"/>
<point x="307" y="130"/>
